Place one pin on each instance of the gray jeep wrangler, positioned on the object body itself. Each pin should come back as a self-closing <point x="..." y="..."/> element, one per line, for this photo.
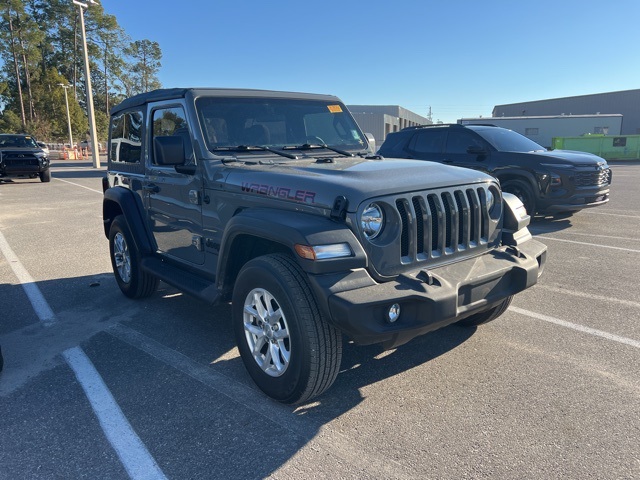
<point x="274" y="201"/>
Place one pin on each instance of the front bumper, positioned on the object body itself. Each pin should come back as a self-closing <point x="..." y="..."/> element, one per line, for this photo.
<point x="578" y="201"/>
<point x="428" y="299"/>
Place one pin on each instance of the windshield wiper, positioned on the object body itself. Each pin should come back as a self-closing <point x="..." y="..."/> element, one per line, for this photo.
<point x="247" y="148"/>
<point x="311" y="146"/>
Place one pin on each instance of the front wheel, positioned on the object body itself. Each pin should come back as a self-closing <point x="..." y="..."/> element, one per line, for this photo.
<point x="45" y="176"/>
<point x="289" y="349"/>
<point x="523" y="191"/>
<point x="125" y="260"/>
<point x="485" y="317"/>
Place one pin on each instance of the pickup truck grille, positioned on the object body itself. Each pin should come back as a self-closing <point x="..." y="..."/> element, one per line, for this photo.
<point x="19" y="159"/>
<point x="593" y="179"/>
<point x="443" y="223"/>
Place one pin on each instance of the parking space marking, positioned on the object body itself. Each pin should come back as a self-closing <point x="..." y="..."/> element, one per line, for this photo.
<point x="613" y="214"/>
<point x="575" y="326"/>
<point x="78" y="185"/>
<point x="626" y="239"/>
<point x="590" y="296"/>
<point x="331" y="440"/>
<point x="589" y="244"/>
<point x="40" y="305"/>
<point x="134" y="456"/>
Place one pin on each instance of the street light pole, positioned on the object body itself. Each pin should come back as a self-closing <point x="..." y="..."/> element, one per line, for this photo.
<point x="87" y="79"/>
<point x="66" y="101"/>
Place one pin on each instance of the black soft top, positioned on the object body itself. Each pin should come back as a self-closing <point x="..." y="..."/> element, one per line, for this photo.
<point x="172" y="93"/>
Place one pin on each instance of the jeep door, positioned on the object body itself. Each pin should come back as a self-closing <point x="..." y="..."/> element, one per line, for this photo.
<point x="174" y="198"/>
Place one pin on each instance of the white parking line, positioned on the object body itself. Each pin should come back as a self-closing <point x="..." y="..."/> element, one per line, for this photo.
<point x="575" y="326"/>
<point x="589" y="244"/>
<point x="590" y="296"/>
<point x="40" y="305"/>
<point x="132" y="453"/>
<point x="78" y="185"/>
<point x="613" y="214"/>
<point x="134" y="456"/>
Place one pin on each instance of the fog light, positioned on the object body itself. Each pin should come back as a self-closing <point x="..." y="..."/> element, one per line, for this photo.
<point x="394" y="313"/>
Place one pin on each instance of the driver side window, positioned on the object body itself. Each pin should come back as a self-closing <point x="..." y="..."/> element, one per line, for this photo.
<point x="172" y="121"/>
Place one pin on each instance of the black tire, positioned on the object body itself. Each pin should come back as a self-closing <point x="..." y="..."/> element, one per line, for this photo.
<point x="125" y="260"/>
<point x="487" y="316"/>
<point x="297" y="352"/>
<point x="523" y="191"/>
<point x="45" y="176"/>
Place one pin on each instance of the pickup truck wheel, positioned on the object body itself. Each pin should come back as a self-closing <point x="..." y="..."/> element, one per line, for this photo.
<point x="125" y="261"/>
<point x="523" y="192"/>
<point x="290" y="351"/>
<point x="489" y="315"/>
<point x="45" y="176"/>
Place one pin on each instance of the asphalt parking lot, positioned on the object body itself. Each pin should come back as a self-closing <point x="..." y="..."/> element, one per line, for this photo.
<point x="99" y="386"/>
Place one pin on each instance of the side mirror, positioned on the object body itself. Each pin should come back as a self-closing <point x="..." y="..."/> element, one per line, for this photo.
<point x="168" y="150"/>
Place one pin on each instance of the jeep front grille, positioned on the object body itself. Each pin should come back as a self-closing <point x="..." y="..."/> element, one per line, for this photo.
<point x="593" y="179"/>
<point x="438" y="224"/>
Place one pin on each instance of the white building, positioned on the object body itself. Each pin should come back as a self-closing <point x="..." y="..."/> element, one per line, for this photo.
<point x="380" y="120"/>
<point x="541" y="129"/>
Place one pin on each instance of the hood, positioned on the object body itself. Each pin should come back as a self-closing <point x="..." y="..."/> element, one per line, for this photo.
<point x="314" y="182"/>
<point x="23" y="150"/>
<point x="570" y="157"/>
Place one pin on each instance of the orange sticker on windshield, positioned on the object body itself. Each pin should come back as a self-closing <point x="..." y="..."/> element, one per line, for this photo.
<point x="334" y="108"/>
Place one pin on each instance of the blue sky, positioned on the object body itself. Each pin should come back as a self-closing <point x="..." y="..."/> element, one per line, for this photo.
<point x="459" y="57"/>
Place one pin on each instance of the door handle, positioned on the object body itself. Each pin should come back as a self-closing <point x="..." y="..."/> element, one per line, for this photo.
<point x="151" y="188"/>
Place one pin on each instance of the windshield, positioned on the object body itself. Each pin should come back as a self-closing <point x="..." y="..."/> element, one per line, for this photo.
<point x="508" y="141"/>
<point x="17" y="141"/>
<point x="277" y="123"/>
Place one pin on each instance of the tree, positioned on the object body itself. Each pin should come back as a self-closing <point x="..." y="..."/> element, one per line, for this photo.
<point x="146" y="57"/>
<point x="41" y="47"/>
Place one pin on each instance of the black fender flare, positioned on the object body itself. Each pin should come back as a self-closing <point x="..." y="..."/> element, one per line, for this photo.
<point x="123" y="201"/>
<point x="289" y="228"/>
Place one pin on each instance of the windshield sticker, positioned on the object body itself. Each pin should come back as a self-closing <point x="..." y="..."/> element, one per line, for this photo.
<point x="335" y="108"/>
<point x="284" y="193"/>
<point x="355" y="135"/>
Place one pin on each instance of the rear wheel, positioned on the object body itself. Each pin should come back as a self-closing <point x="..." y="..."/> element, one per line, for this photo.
<point x="489" y="315"/>
<point x="125" y="260"/>
<point x="523" y="191"/>
<point x="289" y="349"/>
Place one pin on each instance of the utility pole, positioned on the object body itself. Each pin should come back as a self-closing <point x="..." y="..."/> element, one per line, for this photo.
<point x="87" y="80"/>
<point x="66" y="101"/>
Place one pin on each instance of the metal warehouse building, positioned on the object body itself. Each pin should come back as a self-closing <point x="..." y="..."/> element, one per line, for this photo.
<point x="379" y="120"/>
<point x="625" y="102"/>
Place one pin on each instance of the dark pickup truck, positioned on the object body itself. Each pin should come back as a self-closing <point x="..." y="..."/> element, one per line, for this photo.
<point x="20" y="156"/>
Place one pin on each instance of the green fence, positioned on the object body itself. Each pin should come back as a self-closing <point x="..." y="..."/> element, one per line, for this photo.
<point x="622" y="147"/>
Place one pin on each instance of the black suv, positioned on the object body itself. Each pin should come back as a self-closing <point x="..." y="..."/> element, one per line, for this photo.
<point x="274" y="201"/>
<point x="20" y="156"/>
<point x="547" y="182"/>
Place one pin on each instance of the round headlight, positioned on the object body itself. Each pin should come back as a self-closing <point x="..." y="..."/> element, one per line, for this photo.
<point x="491" y="200"/>
<point x="372" y="220"/>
